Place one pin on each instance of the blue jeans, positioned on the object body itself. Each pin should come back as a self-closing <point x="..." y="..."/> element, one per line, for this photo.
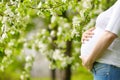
<point x="103" y="71"/>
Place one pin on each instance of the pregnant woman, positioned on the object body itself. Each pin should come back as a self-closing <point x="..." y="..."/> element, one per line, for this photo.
<point x="101" y="53"/>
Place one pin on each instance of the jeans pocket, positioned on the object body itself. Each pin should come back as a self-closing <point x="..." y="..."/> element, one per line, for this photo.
<point x="101" y="69"/>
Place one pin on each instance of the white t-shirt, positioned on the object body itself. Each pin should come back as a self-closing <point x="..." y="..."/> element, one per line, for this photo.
<point x="108" y="20"/>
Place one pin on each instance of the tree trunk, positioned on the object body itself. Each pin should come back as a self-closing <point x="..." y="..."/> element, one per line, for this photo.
<point x="53" y="74"/>
<point x="66" y="74"/>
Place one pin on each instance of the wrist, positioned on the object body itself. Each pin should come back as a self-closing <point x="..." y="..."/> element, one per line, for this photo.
<point x="90" y="60"/>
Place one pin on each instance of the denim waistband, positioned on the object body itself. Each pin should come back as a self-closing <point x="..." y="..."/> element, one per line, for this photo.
<point x="97" y="65"/>
<point x="102" y="71"/>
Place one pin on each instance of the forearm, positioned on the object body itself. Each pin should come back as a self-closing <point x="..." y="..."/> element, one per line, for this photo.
<point x="103" y="43"/>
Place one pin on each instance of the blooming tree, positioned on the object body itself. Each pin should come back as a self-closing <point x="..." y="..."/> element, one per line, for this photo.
<point x="65" y="21"/>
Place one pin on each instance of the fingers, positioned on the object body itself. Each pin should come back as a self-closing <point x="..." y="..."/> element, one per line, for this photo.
<point x="91" y="29"/>
<point x="83" y="40"/>
<point x="86" y="35"/>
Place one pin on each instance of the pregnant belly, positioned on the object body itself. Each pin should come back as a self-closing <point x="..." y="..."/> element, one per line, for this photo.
<point x="87" y="47"/>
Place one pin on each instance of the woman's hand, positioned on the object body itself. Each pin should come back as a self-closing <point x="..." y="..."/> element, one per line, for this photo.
<point x="85" y="59"/>
<point x="87" y="34"/>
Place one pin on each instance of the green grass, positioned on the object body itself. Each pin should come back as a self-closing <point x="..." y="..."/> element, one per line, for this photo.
<point x="41" y="78"/>
<point x="80" y="74"/>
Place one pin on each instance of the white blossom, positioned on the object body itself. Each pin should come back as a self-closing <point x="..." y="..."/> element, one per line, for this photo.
<point x="43" y="31"/>
<point x="99" y="10"/>
<point x="82" y="14"/>
<point x="63" y="64"/>
<point x="74" y="33"/>
<point x="87" y="4"/>
<point x="9" y="12"/>
<point x="67" y="25"/>
<point x="51" y="66"/>
<point x="26" y="18"/>
<point x="4" y="35"/>
<point x="28" y="58"/>
<point x="53" y="33"/>
<point x="28" y="65"/>
<point x="41" y="45"/>
<point x="49" y="39"/>
<point x="8" y="52"/>
<point x="2" y="67"/>
<point x="11" y="1"/>
<point x="53" y="19"/>
<point x="59" y="31"/>
<point x="18" y="19"/>
<point x="76" y="21"/>
<point x="39" y="5"/>
<point x="5" y="19"/>
<point x="12" y="32"/>
<point x="57" y="55"/>
<point x="22" y="77"/>
<point x="43" y="48"/>
<point x="25" y="44"/>
<point x="64" y="1"/>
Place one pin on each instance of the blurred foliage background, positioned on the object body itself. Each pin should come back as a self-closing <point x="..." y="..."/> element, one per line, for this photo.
<point x="57" y="37"/>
